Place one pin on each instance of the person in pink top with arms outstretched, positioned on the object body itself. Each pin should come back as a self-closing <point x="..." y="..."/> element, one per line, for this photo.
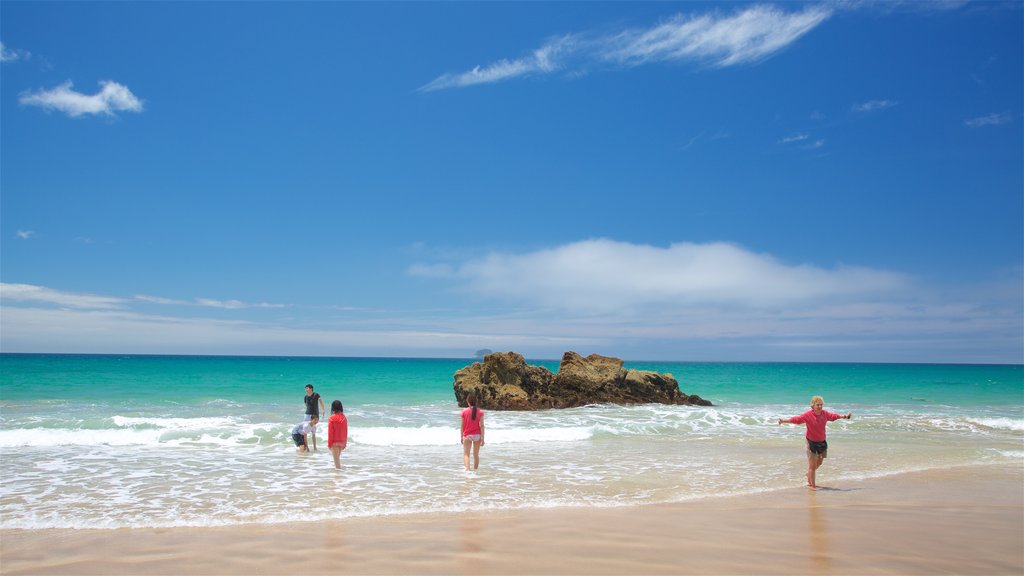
<point x="817" y="449"/>
<point x="472" y="432"/>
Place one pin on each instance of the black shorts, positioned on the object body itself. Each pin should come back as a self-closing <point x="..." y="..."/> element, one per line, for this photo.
<point x="300" y="440"/>
<point x="817" y="447"/>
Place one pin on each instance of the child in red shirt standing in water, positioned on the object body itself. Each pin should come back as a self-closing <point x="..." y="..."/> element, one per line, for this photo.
<point x="817" y="449"/>
<point x="472" y="432"/>
<point x="337" y="432"/>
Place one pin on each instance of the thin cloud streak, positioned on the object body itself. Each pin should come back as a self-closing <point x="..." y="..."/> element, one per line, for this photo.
<point x="994" y="119"/>
<point x="542" y="61"/>
<point x="874" y="105"/>
<point x="713" y="40"/>
<point x="40" y="294"/>
<point x="794" y="138"/>
<point x="111" y="98"/>
<point x="30" y="293"/>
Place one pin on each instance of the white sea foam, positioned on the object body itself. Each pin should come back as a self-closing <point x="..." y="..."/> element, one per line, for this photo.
<point x="1014" y="424"/>
<point x="442" y="436"/>
<point x="173" y="423"/>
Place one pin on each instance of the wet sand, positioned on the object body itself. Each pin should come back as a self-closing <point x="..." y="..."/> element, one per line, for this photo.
<point x="961" y="521"/>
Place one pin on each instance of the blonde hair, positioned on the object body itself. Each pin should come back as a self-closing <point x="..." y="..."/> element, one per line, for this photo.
<point x="817" y="399"/>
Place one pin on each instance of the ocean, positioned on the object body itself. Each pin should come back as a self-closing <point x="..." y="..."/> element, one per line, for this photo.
<point x="98" y="441"/>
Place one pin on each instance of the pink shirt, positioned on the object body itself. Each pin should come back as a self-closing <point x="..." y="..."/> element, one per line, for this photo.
<point x="815" y="423"/>
<point x="470" y="426"/>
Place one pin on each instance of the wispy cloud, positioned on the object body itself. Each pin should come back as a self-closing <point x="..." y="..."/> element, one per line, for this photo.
<point x="234" y="304"/>
<point x="746" y="36"/>
<point x="994" y="119"/>
<point x="111" y="98"/>
<point x="799" y="137"/>
<point x="206" y="302"/>
<point x="24" y="234"/>
<point x="8" y="54"/>
<point x="712" y="39"/>
<point x="874" y="105"/>
<point x="40" y="294"/>
<point x="544" y="60"/>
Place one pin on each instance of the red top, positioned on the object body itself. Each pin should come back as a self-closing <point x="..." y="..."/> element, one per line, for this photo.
<point x="815" y="423"/>
<point x="470" y="426"/>
<point x="337" y="430"/>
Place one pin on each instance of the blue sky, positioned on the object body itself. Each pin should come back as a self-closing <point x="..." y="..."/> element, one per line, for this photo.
<point x="838" y="181"/>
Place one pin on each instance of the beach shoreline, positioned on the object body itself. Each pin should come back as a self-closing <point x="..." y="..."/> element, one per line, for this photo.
<point x="966" y="520"/>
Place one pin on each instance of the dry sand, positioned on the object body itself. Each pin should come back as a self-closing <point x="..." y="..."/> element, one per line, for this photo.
<point x="962" y="521"/>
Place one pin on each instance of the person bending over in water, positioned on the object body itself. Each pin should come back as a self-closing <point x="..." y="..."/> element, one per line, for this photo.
<point x="337" y="432"/>
<point x="817" y="449"/>
<point x="472" y="432"/>
<point x="301" y="432"/>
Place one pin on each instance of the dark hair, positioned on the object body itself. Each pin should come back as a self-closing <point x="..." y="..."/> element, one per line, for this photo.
<point x="472" y="402"/>
<point x="310" y="386"/>
<point x="337" y="407"/>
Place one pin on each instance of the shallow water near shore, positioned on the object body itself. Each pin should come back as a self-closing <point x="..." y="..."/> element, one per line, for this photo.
<point x="132" y="441"/>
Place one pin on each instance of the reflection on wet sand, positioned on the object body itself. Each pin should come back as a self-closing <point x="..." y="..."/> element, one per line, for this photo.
<point x="817" y="527"/>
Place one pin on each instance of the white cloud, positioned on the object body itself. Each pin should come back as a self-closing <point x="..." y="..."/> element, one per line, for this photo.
<point x="743" y="37"/>
<point x="542" y="60"/>
<point x="30" y="293"/>
<point x="204" y="302"/>
<point x="25" y="234"/>
<point x="874" y="105"/>
<point x="159" y="300"/>
<point x="602" y="276"/>
<point x="111" y="98"/>
<point x="794" y="138"/>
<point x="234" y="304"/>
<point x="994" y="119"/>
<point x="8" y="54"/>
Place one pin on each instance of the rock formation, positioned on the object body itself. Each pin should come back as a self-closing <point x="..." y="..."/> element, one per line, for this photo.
<point x="504" y="381"/>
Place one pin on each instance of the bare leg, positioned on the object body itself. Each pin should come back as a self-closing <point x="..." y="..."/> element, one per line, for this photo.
<point x="476" y="455"/>
<point x="336" y="452"/>
<point x="465" y="452"/>
<point x="813" y="463"/>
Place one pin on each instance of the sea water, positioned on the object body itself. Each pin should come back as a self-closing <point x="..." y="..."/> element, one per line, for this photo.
<point x="164" y="441"/>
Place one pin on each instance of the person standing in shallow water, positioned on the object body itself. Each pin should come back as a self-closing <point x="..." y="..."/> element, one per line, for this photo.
<point x="337" y="432"/>
<point x="314" y="403"/>
<point x="817" y="448"/>
<point x="472" y="432"/>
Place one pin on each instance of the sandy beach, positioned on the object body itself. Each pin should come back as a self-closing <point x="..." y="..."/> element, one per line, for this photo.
<point x="960" y="521"/>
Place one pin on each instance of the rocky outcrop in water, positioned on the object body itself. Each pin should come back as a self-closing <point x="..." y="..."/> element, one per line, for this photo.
<point x="504" y="381"/>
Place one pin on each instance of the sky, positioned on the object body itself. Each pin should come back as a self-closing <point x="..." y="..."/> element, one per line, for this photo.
<point x="793" y="182"/>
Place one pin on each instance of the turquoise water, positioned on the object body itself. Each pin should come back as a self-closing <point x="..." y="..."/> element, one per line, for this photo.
<point x="118" y="441"/>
